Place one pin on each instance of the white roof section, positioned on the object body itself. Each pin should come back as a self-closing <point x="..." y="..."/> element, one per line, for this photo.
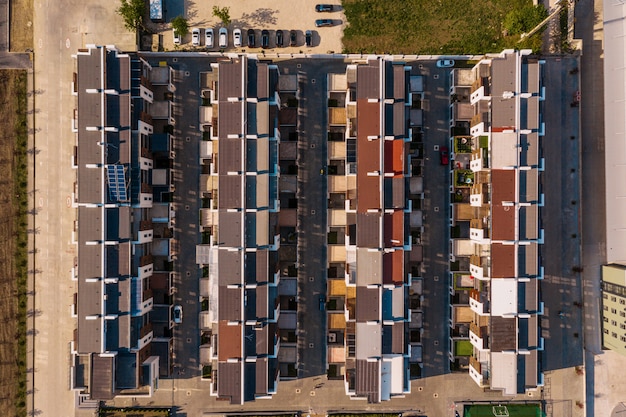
<point x="392" y="376"/>
<point x="369" y="267"/>
<point x="504" y="372"/>
<point x="615" y="129"/>
<point x="368" y="340"/>
<point x="397" y="302"/>
<point x="503" y="297"/>
<point x="504" y="150"/>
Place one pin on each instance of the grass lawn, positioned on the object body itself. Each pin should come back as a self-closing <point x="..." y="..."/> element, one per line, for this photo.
<point x="428" y="26"/>
<point x="513" y="410"/>
<point x="463" y="348"/>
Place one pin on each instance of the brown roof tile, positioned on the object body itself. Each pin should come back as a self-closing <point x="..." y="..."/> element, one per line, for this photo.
<point x="502" y="261"/>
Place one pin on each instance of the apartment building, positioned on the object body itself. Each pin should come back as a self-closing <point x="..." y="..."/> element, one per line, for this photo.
<point x="369" y="229"/>
<point x="614" y="307"/>
<point x="497" y="233"/>
<point x="239" y="325"/>
<point x="124" y="231"/>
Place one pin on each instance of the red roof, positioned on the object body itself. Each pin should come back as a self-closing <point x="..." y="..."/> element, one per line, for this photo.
<point x="368" y="156"/>
<point x="395" y="151"/>
<point x="393" y="267"/>
<point x="503" y="216"/>
<point x="394" y="229"/>
<point x="229" y="341"/>
<point x="502" y="261"/>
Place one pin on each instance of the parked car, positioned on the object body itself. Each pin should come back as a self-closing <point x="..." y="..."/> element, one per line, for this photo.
<point x="279" y="38"/>
<point x="293" y="38"/>
<point x="444" y="155"/>
<point x="237" y="38"/>
<point x="445" y="63"/>
<point x="251" y="38"/>
<point x="208" y="37"/>
<point x="308" y="37"/>
<point x="322" y="303"/>
<point x="177" y="38"/>
<point x="195" y="36"/>
<point x="323" y="22"/>
<point x="265" y="38"/>
<point x="178" y="314"/>
<point x="223" y="39"/>
<point x="324" y="8"/>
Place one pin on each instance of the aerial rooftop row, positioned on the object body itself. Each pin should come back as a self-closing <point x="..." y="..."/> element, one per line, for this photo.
<point x="249" y="286"/>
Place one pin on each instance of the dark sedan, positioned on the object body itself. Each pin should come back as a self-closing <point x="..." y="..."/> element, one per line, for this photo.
<point x="324" y="8"/>
<point x="279" y="38"/>
<point x="251" y="38"/>
<point x="293" y="38"/>
<point x="323" y="22"/>
<point x="265" y="38"/>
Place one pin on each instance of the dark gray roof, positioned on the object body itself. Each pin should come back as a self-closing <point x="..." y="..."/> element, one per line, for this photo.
<point x="229" y="267"/>
<point x="90" y="220"/>
<point x="230" y="229"/>
<point x="230" y="79"/>
<point x="400" y="119"/>
<point x="101" y="381"/>
<point x="262" y="301"/>
<point x="368" y="80"/>
<point x="398" y="344"/>
<point x="503" y="75"/>
<point x="229" y="192"/>
<point x="368" y="232"/>
<point x="229" y="157"/>
<point x="367" y="304"/>
<point x="262" y="81"/>
<point x="90" y="332"/>
<point x="367" y="380"/>
<point x="399" y="82"/>
<point x="262" y="377"/>
<point x="502" y="334"/>
<point x="230" y="304"/>
<point x="229" y="381"/>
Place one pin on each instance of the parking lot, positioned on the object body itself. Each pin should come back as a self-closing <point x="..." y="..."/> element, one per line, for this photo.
<point x="282" y="15"/>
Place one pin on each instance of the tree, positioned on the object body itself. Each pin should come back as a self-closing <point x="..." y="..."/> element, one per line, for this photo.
<point x="180" y="25"/>
<point x="132" y="11"/>
<point x="222" y="13"/>
<point x="524" y="19"/>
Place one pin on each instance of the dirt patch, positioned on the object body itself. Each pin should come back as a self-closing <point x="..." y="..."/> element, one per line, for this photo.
<point x="13" y="235"/>
<point x="21" y="25"/>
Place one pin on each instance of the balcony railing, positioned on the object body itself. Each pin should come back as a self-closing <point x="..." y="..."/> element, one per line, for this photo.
<point x="146" y="260"/>
<point x="145" y="330"/>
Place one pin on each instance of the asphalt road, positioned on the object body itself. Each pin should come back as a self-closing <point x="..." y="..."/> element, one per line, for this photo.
<point x="588" y="27"/>
<point x="186" y="202"/>
<point x="561" y="218"/>
<point x="436" y="212"/>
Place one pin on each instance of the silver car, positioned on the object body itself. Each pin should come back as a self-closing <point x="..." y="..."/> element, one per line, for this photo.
<point x="223" y="37"/>
<point x="195" y="37"/>
<point x="208" y="37"/>
<point x="178" y="314"/>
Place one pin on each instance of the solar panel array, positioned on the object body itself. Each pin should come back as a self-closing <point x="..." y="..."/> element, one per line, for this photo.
<point x="116" y="179"/>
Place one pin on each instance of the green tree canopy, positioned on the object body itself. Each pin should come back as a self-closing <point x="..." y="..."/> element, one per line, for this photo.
<point x="132" y="11"/>
<point x="180" y="25"/>
<point x="222" y="13"/>
<point x="523" y="20"/>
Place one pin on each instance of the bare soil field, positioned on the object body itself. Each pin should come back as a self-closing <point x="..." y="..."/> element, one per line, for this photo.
<point x="21" y="25"/>
<point x="13" y="242"/>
